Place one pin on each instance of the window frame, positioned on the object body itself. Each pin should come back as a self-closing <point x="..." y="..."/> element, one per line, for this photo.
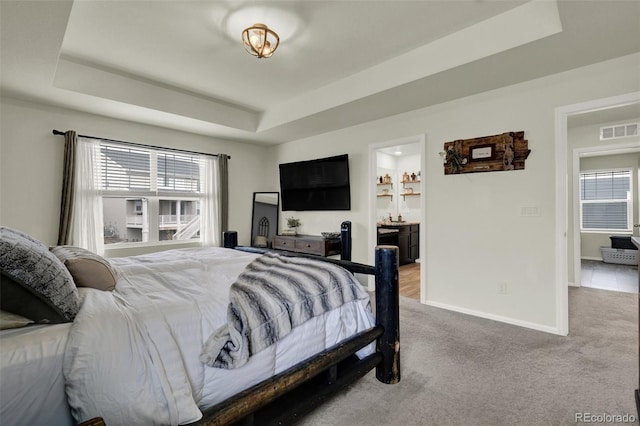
<point x="628" y="201"/>
<point x="153" y="196"/>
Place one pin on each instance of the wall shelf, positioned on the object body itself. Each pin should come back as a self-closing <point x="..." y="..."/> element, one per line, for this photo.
<point x="407" y="186"/>
<point x="409" y="194"/>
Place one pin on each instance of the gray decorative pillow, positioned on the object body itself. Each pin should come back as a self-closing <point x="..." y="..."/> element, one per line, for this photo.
<point x="20" y="234"/>
<point x="35" y="284"/>
<point x="88" y="269"/>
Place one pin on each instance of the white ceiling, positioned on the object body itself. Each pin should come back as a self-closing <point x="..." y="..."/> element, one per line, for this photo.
<point x="180" y="63"/>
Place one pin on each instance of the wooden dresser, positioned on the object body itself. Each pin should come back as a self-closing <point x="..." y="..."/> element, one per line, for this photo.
<point x="309" y="244"/>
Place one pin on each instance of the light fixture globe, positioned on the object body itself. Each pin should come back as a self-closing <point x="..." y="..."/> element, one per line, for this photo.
<point x="260" y="41"/>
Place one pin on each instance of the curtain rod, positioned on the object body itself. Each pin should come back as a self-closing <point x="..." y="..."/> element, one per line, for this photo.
<point x="60" y="133"/>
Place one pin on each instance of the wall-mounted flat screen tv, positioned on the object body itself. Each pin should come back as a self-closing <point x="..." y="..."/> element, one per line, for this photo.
<point x="321" y="184"/>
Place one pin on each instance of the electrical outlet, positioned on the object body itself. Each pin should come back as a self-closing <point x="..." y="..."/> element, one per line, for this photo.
<point x="502" y="288"/>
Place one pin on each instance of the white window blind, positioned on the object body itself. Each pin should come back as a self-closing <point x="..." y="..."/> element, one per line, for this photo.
<point x="139" y="169"/>
<point x="605" y="200"/>
<point x="178" y="172"/>
<point x="125" y="168"/>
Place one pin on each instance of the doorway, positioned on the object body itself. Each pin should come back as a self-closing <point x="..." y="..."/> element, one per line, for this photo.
<point x="398" y="208"/>
<point x="597" y="264"/>
<point x="567" y="240"/>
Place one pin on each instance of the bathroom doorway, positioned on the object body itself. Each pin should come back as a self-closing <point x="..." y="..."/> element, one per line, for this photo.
<point x="398" y="208"/>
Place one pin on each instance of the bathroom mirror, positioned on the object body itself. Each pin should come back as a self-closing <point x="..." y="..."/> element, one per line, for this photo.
<point x="264" y="219"/>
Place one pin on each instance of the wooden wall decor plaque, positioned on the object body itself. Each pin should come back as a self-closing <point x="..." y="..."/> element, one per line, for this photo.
<point x="506" y="151"/>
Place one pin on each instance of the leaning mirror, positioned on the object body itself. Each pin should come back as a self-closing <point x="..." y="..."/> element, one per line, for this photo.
<point x="264" y="220"/>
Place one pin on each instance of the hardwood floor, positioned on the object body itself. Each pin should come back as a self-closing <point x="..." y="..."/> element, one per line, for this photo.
<point x="410" y="281"/>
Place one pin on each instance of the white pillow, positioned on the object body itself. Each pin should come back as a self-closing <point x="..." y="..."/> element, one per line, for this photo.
<point x="9" y="320"/>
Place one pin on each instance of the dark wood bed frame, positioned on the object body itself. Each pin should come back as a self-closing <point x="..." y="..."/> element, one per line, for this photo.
<point x="285" y="397"/>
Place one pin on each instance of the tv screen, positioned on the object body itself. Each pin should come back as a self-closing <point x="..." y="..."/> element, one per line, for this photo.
<point x="321" y="184"/>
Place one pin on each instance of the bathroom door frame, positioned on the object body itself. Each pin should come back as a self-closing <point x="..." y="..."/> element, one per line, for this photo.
<point x="373" y="149"/>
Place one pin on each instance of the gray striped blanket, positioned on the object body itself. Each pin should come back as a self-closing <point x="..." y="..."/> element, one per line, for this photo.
<point x="270" y="297"/>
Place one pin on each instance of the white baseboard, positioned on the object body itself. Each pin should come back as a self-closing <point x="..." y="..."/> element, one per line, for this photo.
<point x="499" y="318"/>
<point x="591" y="258"/>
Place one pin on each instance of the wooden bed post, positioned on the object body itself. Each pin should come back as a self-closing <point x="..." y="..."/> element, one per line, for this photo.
<point x="388" y="313"/>
<point x="229" y="239"/>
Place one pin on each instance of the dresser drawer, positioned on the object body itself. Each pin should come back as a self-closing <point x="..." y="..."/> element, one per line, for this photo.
<point x="309" y="246"/>
<point x="283" y="243"/>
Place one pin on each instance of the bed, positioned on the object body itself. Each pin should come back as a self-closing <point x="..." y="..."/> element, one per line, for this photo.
<point x="175" y="337"/>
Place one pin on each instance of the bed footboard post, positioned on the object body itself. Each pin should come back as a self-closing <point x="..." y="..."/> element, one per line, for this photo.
<point x="229" y="239"/>
<point x="388" y="313"/>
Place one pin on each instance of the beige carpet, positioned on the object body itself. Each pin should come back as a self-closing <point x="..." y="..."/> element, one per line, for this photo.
<point x="462" y="370"/>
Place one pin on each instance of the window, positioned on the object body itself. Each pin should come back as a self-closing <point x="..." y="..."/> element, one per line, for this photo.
<point x="149" y="195"/>
<point x="605" y="200"/>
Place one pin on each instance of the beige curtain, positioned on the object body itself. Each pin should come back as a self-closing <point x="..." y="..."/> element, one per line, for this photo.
<point x="68" y="188"/>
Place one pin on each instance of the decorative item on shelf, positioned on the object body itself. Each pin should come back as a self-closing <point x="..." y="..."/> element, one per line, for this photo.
<point x="260" y="241"/>
<point x="405" y="177"/>
<point x="408" y="190"/>
<point x="381" y="179"/>
<point x="399" y="217"/>
<point x="413" y="177"/>
<point x="293" y="225"/>
<point x="385" y="191"/>
<point x="387" y="178"/>
<point x="330" y="235"/>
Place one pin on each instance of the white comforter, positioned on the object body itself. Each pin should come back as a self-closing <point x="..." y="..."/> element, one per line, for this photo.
<point x="133" y="354"/>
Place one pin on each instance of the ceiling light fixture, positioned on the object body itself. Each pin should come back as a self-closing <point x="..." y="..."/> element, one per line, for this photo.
<point x="260" y="41"/>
